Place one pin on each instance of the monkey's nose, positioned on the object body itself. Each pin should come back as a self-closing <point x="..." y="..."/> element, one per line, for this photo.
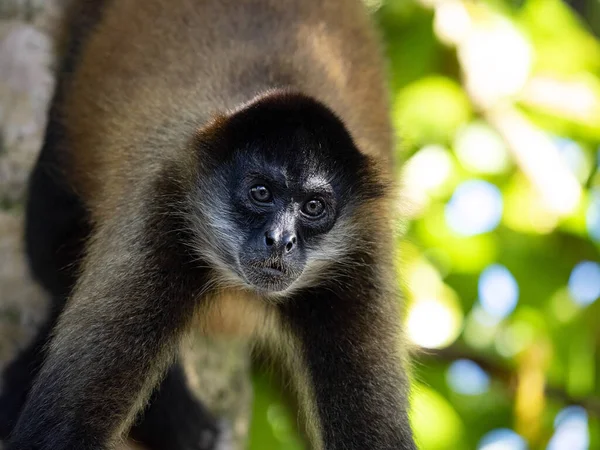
<point x="286" y="241"/>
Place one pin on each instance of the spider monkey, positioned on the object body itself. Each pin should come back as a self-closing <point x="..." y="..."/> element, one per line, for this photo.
<point x="223" y="164"/>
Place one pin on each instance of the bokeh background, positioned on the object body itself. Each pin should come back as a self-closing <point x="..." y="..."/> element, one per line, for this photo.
<point x="497" y="109"/>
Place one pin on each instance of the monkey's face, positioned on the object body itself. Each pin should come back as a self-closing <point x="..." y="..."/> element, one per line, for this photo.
<point x="279" y="214"/>
<point x="278" y="186"/>
<point x="276" y="219"/>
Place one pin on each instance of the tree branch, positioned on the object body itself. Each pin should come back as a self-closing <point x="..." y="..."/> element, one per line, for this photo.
<point x="508" y="376"/>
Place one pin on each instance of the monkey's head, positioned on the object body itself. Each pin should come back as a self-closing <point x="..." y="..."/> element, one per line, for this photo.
<point x="280" y="180"/>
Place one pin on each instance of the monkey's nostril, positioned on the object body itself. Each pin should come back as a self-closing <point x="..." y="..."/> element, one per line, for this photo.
<point x="269" y="239"/>
<point x="291" y="242"/>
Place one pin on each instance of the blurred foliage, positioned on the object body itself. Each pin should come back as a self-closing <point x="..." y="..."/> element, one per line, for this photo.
<point x="497" y="108"/>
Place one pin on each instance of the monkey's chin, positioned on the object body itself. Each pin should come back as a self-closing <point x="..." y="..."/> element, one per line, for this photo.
<point x="268" y="280"/>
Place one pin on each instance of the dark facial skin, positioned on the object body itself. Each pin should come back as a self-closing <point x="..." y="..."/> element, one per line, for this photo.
<point x="278" y="214"/>
<point x="287" y="170"/>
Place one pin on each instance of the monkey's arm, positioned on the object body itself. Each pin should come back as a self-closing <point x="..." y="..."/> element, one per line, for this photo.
<point x="354" y="382"/>
<point x="116" y="337"/>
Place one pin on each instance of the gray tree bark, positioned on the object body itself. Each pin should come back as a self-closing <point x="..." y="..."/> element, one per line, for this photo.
<point x="218" y="370"/>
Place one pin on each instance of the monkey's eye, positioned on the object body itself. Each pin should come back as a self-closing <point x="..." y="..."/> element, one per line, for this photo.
<point x="313" y="207"/>
<point x="261" y="194"/>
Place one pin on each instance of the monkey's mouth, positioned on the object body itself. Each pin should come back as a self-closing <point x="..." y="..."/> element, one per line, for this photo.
<point x="275" y="268"/>
<point x="269" y="276"/>
<point x="273" y="271"/>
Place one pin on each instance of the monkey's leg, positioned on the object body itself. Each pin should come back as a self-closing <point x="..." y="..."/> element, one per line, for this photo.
<point x="119" y="331"/>
<point x="18" y="377"/>
<point x="174" y="419"/>
<point x="346" y="344"/>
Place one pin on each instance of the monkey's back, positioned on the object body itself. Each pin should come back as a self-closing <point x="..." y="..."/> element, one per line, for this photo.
<point x="151" y="72"/>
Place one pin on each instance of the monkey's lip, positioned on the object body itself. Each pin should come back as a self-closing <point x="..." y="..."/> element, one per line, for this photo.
<point x="273" y="271"/>
<point x="274" y="268"/>
<point x="270" y="277"/>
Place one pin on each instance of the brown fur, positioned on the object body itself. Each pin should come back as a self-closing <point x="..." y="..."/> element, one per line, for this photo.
<point x="158" y="91"/>
<point x="153" y="75"/>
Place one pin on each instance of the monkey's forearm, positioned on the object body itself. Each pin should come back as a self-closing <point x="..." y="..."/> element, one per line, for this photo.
<point x="354" y="376"/>
<point x="97" y="374"/>
<point x="113" y="341"/>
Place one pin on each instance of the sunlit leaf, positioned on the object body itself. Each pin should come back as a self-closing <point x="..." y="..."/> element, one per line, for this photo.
<point x="436" y="424"/>
<point x="413" y="106"/>
<point x="561" y="43"/>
